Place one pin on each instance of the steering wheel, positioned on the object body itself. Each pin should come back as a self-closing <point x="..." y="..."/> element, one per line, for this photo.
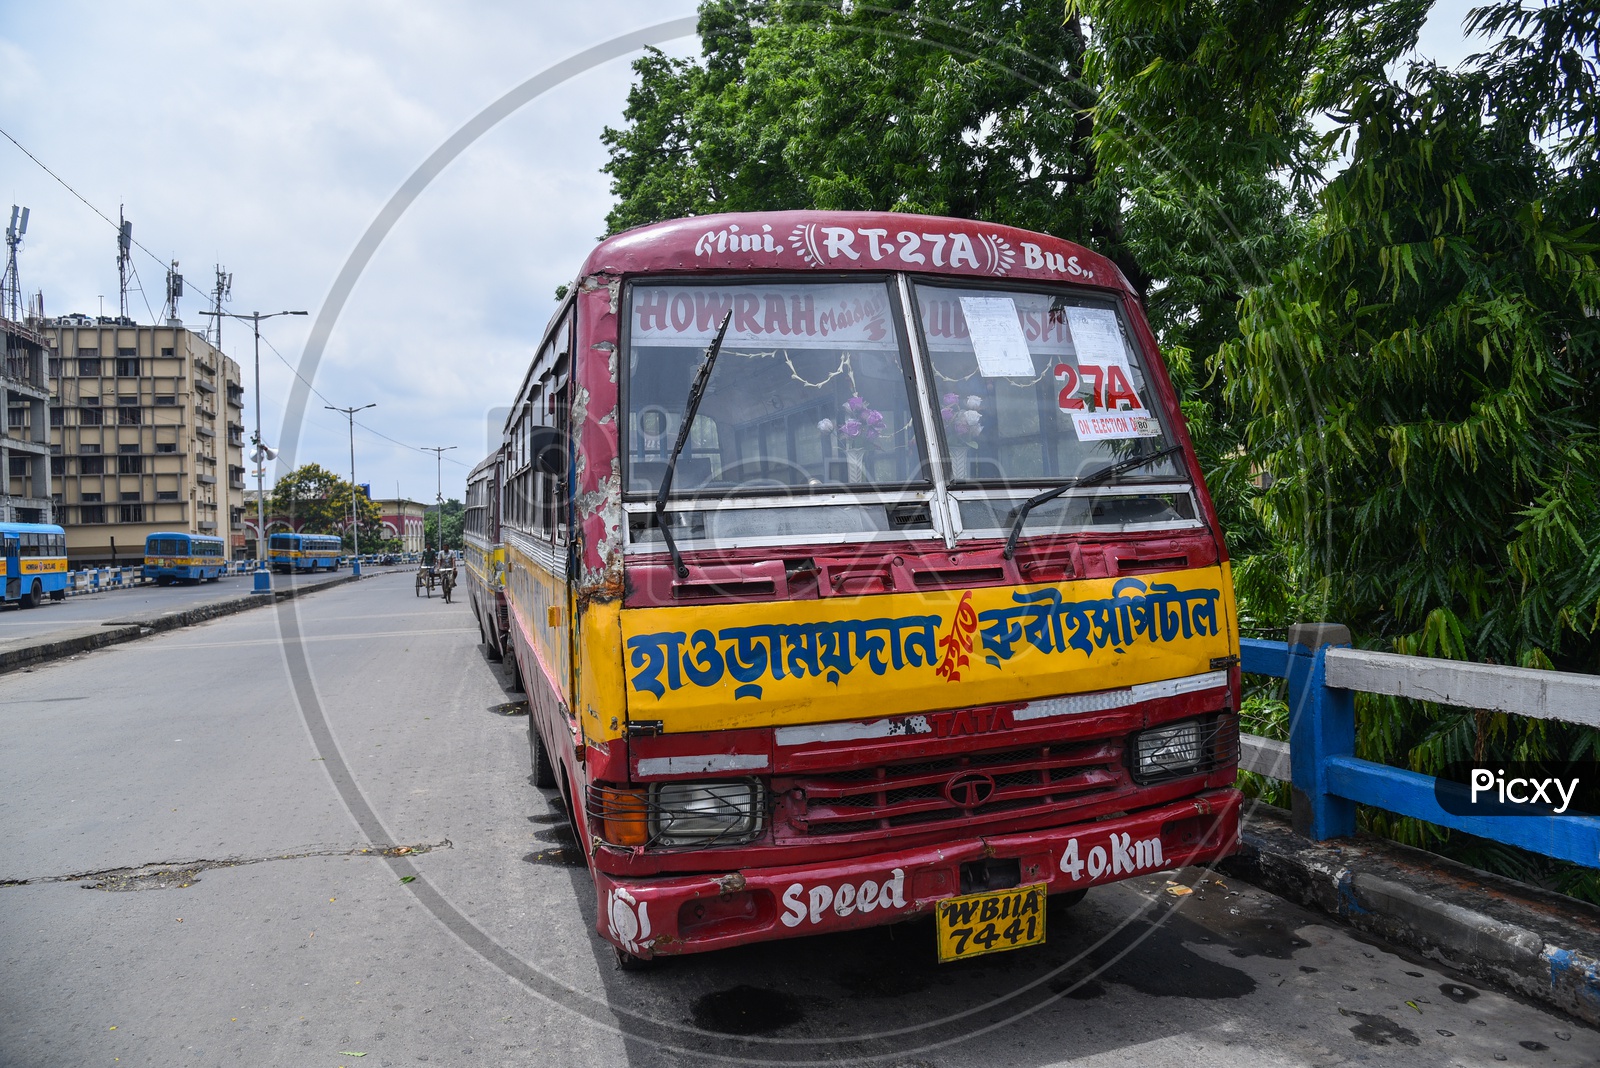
<point x="757" y="473"/>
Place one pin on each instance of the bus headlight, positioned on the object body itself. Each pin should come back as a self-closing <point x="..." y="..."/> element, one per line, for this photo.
<point x="706" y="813"/>
<point x="1170" y="751"/>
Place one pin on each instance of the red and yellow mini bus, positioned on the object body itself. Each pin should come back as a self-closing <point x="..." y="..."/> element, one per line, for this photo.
<point x="858" y="568"/>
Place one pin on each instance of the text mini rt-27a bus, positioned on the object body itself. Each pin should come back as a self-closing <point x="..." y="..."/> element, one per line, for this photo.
<point x="925" y="611"/>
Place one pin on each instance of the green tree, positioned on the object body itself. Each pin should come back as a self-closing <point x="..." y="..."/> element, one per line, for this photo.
<point x="455" y="515"/>
<point x="319" y="501"/>
<point x="1422" y="382"/>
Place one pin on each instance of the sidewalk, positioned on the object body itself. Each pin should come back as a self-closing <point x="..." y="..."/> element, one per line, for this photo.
<point x="1537" y="943"/>
<point x="73" y="636"/>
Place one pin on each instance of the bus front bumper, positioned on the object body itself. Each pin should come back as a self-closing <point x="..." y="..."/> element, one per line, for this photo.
<point x="694" y="914"/>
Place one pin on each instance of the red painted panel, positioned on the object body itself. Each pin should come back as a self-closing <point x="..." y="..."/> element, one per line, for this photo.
<point x="851" y="240"/>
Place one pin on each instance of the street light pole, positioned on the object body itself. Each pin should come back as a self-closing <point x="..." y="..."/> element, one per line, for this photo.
<point x="261" y="454"/>
<point x="438" y="455"/>
<point x="355" y="517"/>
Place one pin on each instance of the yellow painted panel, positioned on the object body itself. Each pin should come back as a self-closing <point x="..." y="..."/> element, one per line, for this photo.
<point x="35" y="566"/>
<point x="600" y="673"/>
<point x="763" y="664"/>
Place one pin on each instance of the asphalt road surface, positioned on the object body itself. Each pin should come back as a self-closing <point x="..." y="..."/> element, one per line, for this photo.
<point x="140" y="603"/>
<point x="188" y="842"/>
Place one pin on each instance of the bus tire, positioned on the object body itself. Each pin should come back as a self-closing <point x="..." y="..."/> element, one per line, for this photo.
<point x="1063" y="902"/>
<point x="34" y="595"/>
<point x="627" y="962"/>
<point x="514" y="668"/>
<point x="544" y="772"/>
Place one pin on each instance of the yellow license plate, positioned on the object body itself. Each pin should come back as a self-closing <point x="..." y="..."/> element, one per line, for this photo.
<point x="991" y="921"/>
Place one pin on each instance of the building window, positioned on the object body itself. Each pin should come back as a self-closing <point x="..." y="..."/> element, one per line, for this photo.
<point x="91" y="465"/>
<point x="166" y="446"/>
<point x="166" y="495"/>
<point x="131" y="449"/>
<point x="88" y="368"/>
<point x="17" y="416"/>
<point x="166" y="398"/>
<point x="92" y="513"/>
<point x="19" y="467"/>
<point x="166" y="352"/>
<point x="54" y="368"/>
<point x="130" y="465"/>
<point x="58" y="417"/>
<point x="90" y="498"/>
<point x="93" y="450"/>
<point x="132" y="513"/>
<point x="89" y="417"/>
<point x="127" y="367"/>
<point x="128" y="416"/>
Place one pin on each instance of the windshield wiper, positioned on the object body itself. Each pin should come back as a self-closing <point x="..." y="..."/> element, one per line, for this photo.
<point x="1052" y="493"/>
<point x="697" y="389"/>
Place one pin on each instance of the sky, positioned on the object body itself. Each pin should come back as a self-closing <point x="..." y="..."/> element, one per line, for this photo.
<point x="267" y="138"/>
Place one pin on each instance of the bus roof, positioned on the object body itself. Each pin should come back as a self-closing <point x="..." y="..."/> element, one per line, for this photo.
<point x="31" y="528"/>
<point x="851" y="240"/>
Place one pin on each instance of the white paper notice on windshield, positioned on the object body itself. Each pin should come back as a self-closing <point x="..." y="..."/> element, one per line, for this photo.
<point x="997" y="341"/>
<point x="1109" y="426"/>
<point x="1096" y="336"/>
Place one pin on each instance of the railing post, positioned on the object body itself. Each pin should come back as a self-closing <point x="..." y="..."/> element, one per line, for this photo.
<point x="1322" y="724"/>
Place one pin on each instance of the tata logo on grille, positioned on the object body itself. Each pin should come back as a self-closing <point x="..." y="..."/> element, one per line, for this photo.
<point x="969" y="789"/>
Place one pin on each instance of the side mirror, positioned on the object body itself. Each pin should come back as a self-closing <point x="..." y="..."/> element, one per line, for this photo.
<point x="548" y="447"/>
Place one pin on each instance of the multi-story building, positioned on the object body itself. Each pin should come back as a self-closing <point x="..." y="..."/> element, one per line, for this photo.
<point x="25" y="440"/>
<point x="403" y="519"/>
<point x="149" y="433"/>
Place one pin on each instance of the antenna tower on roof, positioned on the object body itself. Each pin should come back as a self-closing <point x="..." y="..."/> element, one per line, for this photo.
<point x="124" y="259"/>
<point x="222" y="292"/>
<point x="11" y="284"/>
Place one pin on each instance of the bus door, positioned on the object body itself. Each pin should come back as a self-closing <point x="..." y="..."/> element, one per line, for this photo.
<point x="11" y="545"/>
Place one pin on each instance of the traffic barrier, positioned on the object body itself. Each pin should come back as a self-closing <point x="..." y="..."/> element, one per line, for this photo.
<point x="1328" y="781"/>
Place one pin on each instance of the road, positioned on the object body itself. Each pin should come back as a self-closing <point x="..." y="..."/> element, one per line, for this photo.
<point x="187" y="836"/>
<point x="136" y="604"/>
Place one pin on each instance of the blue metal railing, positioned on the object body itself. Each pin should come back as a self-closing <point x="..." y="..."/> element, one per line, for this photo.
<point x="1329" y="781"/>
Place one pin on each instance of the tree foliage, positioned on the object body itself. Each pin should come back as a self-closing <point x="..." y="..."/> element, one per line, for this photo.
<point x="1422" y="382"/>
<point x="318" y="501"/>
<point x="455" y="515"/>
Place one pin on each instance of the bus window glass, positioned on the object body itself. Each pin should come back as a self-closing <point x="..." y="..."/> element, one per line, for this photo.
<point x="1035" y="388"/>
<point x="810" y="391"/>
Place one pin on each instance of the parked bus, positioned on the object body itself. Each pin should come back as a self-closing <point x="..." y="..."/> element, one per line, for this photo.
<point x="34" y="556"/>
<point x="304" y="552"/>
<point x="485" y="556"/>
<point x="174" y="556"/>
<point x="859" y="567"/>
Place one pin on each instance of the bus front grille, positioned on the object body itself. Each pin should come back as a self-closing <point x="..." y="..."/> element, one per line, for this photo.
<point x="969" y="788"/>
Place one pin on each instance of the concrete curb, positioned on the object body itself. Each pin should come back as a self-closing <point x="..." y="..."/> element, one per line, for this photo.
<point x="116" y="633"/>
<point x="1536" y="943"/>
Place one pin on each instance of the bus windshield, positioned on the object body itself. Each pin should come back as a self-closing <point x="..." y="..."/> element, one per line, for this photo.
<point x="810" y="390"/>
<point x="1039" y="388"/>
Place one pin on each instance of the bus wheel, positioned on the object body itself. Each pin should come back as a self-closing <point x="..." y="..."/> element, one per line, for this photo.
<point x="627" y="962"/>
<point x="544" y="773"/>
<point x="1063" y="902"/>
<point x="34" y="595"/>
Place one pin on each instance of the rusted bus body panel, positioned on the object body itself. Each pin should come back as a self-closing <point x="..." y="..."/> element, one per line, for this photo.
<point x="630" y="685"/>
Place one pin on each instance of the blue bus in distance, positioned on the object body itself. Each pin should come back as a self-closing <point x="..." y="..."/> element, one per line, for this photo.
<point x="33" y="563"/>
<point x="174" y="556"/>
<point x="304" y="552"/>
